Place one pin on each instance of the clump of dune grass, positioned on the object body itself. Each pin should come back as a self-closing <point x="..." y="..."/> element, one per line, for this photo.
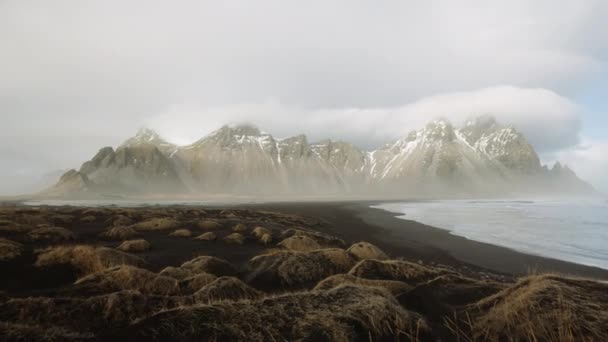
<point x="290" y="268"/>
<point x="408" y="272"/>
<point x="86" y="259"/>
<point x="346" y="313"/>
<point x="209" y="225"/>
<point x="54" y="234"/>
<point x="196" y="282"/>
<point x="181" y="233"/>
<point x="239" y="228"/>
<point x="299" y="243"/>
<point x="121" y="220"/>
<point x="226" y="288"/>
<point x="38" y="333"/>
<point x="266" y="239"/>
<point x="134" y="246"/>
<point x="159" y="223"/>
<point x="178" y="273"/>
<point x="9" y="249"/>
<point x="235" y="238"/>
<point x="393" y="286"/>
<point x="365" y="250"/>
<point x="208" y="236"/>
<point x="322" y="239"/>
<point x="258" y="232"/>
<point x="130" y="278"/>
<point x="119" y="233"/>
<point x="94" y="314"/>
<point x="88" y="219"/>
<point x="209" y="264"/>
<point x="538" y="308"/>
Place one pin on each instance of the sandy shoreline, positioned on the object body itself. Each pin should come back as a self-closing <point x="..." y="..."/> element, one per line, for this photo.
<point x="357" y="221"/>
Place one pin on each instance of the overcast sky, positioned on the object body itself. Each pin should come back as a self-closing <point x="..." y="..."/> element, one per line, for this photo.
<point x="79" y="75"/>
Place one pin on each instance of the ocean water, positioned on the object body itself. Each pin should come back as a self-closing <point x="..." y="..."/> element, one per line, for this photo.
<point x="575" y="230"/>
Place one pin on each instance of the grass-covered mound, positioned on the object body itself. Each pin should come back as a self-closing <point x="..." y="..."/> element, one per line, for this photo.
<point x="346" y="313"/>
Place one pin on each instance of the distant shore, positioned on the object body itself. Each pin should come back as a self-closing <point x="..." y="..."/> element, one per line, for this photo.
<point x="357" y="221"/>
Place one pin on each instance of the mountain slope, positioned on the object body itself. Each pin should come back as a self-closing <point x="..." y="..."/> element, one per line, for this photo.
<point x="481" y="158"/>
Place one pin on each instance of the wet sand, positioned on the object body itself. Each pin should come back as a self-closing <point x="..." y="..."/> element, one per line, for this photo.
<point x="356" y="221"/>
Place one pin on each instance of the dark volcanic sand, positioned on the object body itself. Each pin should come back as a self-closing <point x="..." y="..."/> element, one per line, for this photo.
<point x="356" y="221"/>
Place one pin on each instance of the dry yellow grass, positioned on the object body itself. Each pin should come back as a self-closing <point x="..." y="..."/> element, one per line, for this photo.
<point x="239" y="228"/>
<point x="38" y="333"/>
<point x="181" y="233"/>
<point x="86" y="259"/>
<point x="197" y="282"/>
<point x="134" y="246"/>
<point x="9" y="249"/>
<point x="99" y="313"/>
<point x="209" y="225"/>
<point x="299" y="243"/>
<point x="54" y="234"/>
<point x="408" y="272"/>
<point x="178" y="273"/>
<point x="162" y="223"/>
<point x="322" y="239"/>
<point x="266" y="239"/>
<point x="226" y="288"/>
<point x="119" y="233"/>
<point x="208" y="236"/>
<point x="393" y="286"/>
<point x="289" y="268"/>
<point x="88" y="219"/>
<point x="235" y="238"/>
<point x="346" y="313"/>
<point x="259" y="232"/>
<point x="121" y="220"/>
<point x="365" y="250"/>
<point x="209" y="264"/>
<point x="539" y="308"/>
<point x="130" y="278"/>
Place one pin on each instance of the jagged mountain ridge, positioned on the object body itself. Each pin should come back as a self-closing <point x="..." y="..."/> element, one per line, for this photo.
<point x="481" y="158"/>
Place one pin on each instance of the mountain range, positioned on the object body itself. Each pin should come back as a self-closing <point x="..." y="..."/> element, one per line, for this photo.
<point x="481" y="158"/>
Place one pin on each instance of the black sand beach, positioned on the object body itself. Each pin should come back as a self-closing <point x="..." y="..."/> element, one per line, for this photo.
<point x="357" y="221"/>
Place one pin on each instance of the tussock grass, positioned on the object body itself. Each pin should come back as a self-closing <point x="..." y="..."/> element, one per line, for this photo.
<point x="322" y="239"/>
<point x="181" y="233"/>
<point x="208" y="236"/>
<point x="289" y="268"/>
<point x="89" y="314"/>
<point x="259" y="232"/>
<point x="266" y="239"/>
<point x="119" y="233"/>
<point x="538" y="308"/>
<point x="9" y="249"/>
<point x="346" y="313"/>
<point x="209" y="225"/>
<point x="408" y="272"/>
<point x="226" y="288"/>
<point x="178" y="273"/>
<point x="393" y="286"/>
<point x="37" y="333"/>
<point x="130" y="278"/>
<point x="196" y="282"/>
<point x="209" y="264"/>
<point x="235" y="238"/>
<point x="53" y="234"/>
<point x="134" y="246"/>
<point x="161" y="223"/>
<point x="299" y="243"/>
<point x="239" y="228"/>
<point x="86" y="259"/>
<point x="365" y="250"/>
